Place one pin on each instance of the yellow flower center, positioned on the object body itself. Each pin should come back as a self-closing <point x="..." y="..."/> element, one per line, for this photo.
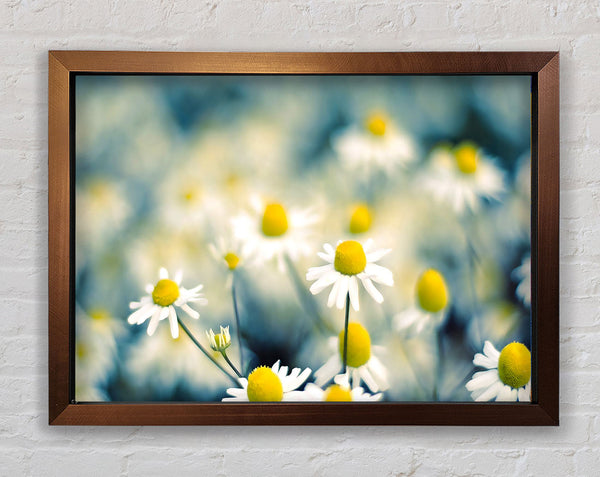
<point x="232" y="260"/>
<point x="359" y="345"/>
<point x="376" y="124"/>
<point x="165" y="292"/>
<point x="264" y="386"/>
<point x="466" y="157"/>
<point x="432" y="293"/>
<point x="350" y="258"/>
<point x="514" y="365"/>
<point x="274" y="221"/>
<point x="361" y="219"/>
<point x="337" y="393"/>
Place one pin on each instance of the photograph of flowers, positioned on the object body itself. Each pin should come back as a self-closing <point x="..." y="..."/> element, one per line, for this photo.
<point x="302" y="238"/>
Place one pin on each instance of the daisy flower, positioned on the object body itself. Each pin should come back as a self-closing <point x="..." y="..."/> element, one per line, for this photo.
<point x="161" y="301"/>
<point x="221" y="341"/>
<point x="362" y="363"/>
<point x="273" y="232"/>
<point x="523" y="274"/>
<point x="361" y="219"/>
<point x="340" y="391"/>
<point x="462" y="177"/>
<point x="272" y="384"/>
<point x="378" y="143"/>
<point x="431" y="304"/>
<point x="348" y="263"/>
<point x="508" y="377"/>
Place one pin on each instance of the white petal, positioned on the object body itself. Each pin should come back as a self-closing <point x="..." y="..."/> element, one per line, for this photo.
<point x="193" y="313"/>
<point x="275" y="367"/>
<point x="328" y="370"/>
<point x="173" y="322"/>
<point x="329" y="249"/>
<point x="484" y="361"/>
<point x="323" y="282"/>
<point x="377" y="254"/>
<point x="379" y="274"/>
<point x="333" y="294"/>
<point x="326" y="257"/>
<point x="314" y="273"/>
<point x="523" y="394"/>
<point x="154" y="321"/>
<point x="482" y="379"/>
<point x="149" y="288"/>
<point x="178" y="276"/>
<point x="377" y="369"/>
<point x="139" y="316"/>
<point x="368" y="284"/>
<point x="491" y="392"/>
<point x="507" y="394"/>
<point x="368" y="379"/>
<point x="353" y="290"/>
<point x="282" y="373"/>
<point x="490" y="351"/>
<point x="163" y="274"/>
<point x="342" y="291"/>
<point x="289" y="384"/>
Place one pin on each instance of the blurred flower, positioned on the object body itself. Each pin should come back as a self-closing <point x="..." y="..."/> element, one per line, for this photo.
<point x="508" y="377"/>
<point x="95" y="352"/>
<point x="273" y="232"/>
<point x="161" y="301"/>
<point x="462" y="177"/>
<point x="431" y="297"/>
<point x="340" y="391"/>
<point x="360" y="219"/>
<point x="349" y="261"/>
<point x="272" y="384"/>
<point x="523" y="274"/>
<point x="221" y="341"/>
<point x="379" y="143"/>
<point x="364" y="365"/>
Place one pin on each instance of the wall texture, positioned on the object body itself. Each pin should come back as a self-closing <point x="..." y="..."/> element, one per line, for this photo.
<point x="30" y="28"/>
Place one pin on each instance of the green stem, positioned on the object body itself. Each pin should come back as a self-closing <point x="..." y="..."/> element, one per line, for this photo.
<point x="206" y="353"/>
<point x="237" y="321"/>
<point x="231" y="364"/>
<point x="345" y="355"/>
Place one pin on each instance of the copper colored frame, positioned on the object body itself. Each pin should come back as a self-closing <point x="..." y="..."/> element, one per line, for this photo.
<point x="542" y="66"/>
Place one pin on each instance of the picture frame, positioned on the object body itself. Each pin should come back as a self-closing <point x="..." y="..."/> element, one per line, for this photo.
<point x="543" y="67"/>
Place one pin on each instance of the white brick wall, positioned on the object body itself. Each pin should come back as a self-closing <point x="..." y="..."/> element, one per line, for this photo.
<point x="30" y="28"/>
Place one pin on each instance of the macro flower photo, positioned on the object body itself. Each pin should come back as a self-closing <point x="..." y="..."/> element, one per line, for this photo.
<point x="318" y="238"/>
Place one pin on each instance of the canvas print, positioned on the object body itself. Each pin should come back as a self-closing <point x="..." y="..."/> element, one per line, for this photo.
<point x="274" y="238"/>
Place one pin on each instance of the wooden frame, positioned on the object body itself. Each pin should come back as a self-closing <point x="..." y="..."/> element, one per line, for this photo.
<point x="544" y="68"/>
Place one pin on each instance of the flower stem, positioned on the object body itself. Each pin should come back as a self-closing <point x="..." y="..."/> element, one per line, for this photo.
<point x="231" y="364"/>
<point x="438" y="370"/>
<point x="206" y="353"/>
<point x="237" y="323"/>
<point x="345" y="355"/>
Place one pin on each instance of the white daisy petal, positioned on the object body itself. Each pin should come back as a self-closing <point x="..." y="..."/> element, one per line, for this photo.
<point x="140" y="315"/>
<point x="371" y="290"/>
<point x="163" y="274"/>
<point x="378" y="254"/>
<point x="482" y="379"/>
<point x="329" y="249"/>
<point x="326" y="372"/>
<point x="333" y="294"/>
<point x="491" y="392"/>
<point x="484" y="361"/>
<point x="523" y="393"/>
<point x="507" y="394"/>
<point x="149" y="288"/>
<point x="490" y="351"/>
<point x="379" y="274"/>
<point x="368" y="379"/>
<point x="317" y="272"/>
<point x="173" y="323"/>
<point x="193" y="313"/>
<point x="154" y="321"/>
<point x="342" y="291"/>
<point x="326" y="280"/>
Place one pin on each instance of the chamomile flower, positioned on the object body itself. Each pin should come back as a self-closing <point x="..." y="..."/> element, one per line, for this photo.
<point x="348" y="263"/>
<point x="378" y="143"/>
<point x="361" y="219"/>
<point x="274" y="232"/>
<point x="221" y="341"/>
<point x="161" y="301"/>
<point x="272" y="384"/>
<point x="362" y="363"/>
<point x="508" y="375"/>
<point x="523" y="274"/>
<point x="462" y="177"/>
<point x="340" y="391"/>
<point x="431" y="304"/>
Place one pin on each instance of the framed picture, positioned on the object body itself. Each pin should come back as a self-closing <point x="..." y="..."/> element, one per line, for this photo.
<point x="303" y="238"/>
